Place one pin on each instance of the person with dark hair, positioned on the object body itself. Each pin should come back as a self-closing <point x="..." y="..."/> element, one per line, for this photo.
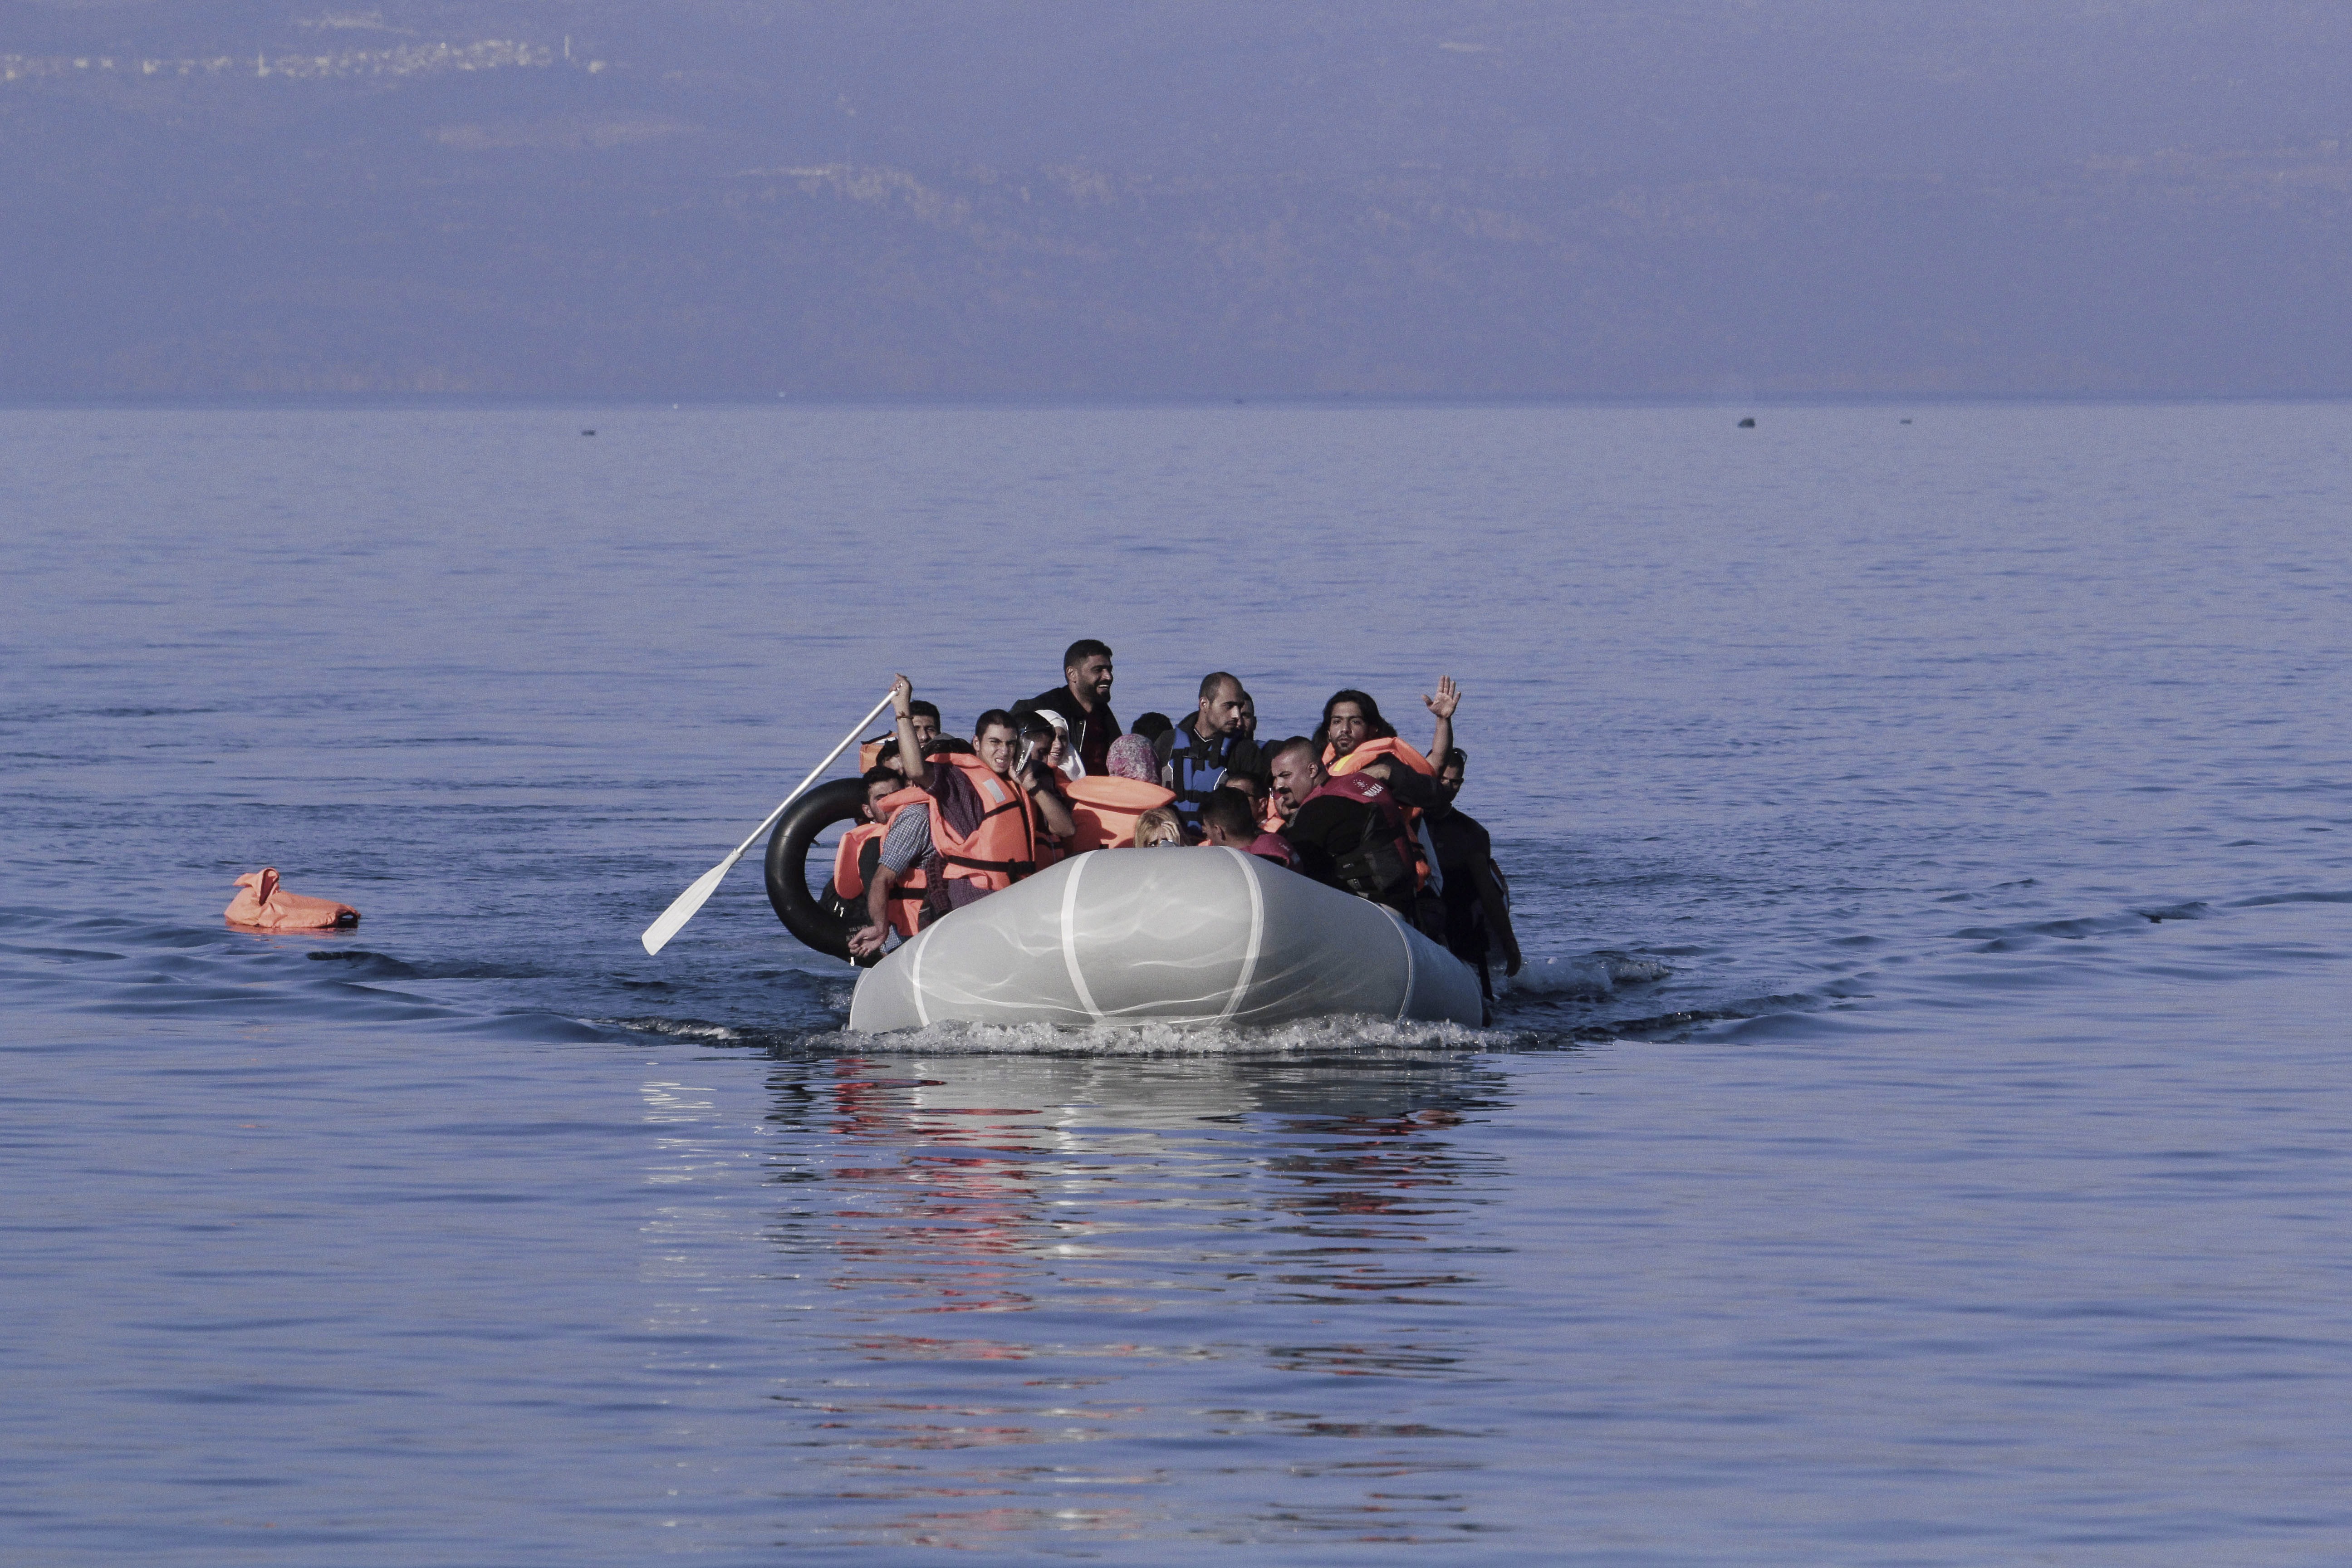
<point x="883" y="749"/>
<point x="1084" y="699"/>
<point x="1252" y="787"/>
<point x="926" y="715"/>
<point x="1043" y="742"/>
<point x="1355" y="738"/>
<point x="1157" y="729"/>
<point x="978" y="831"/>
<point x="1042" y="738"/>
<point x="858" y="855"/>
<point x="1211" y="741"/>
<point x="887" y="754"/>
<point x="1353" y="733"/>
<point x="1477" y="907"/>
<point x="1350" y="832"/>
<point x="1228" y="820"/>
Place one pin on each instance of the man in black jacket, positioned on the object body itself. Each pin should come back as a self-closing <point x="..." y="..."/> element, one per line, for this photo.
<point x="1351" y="833"/>
<point x="1084" y="699"/>
<point x="1477" y="909"/>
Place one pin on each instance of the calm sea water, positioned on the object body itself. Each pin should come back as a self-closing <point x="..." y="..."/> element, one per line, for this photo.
<point x="1970" y="1188"/>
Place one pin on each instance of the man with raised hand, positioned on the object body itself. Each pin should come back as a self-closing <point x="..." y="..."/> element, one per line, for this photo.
<point x="975" y="831"/>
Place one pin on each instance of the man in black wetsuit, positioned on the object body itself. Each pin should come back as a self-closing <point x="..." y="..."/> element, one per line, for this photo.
<point x="1477" y="913"/>
<point x="1084" y="699"/>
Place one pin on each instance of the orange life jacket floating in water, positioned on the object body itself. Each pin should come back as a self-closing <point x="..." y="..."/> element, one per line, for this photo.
<point x="1001" y="847"/>
<point x="1106" y="809"/>
<point x="265" y="906"/>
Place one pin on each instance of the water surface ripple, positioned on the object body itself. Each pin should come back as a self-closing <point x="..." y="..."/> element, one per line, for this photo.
<point x="1921" y="1138"/>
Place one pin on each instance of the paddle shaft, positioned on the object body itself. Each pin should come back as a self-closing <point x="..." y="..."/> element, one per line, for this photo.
<point x="802" y="788"/>
<point x="683" y="908"/>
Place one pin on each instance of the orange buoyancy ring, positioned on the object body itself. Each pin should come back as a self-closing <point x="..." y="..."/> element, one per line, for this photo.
<point x="1002" y="847"/>
<point x="1371" y="752"/>
<point x="1106" y="809"/>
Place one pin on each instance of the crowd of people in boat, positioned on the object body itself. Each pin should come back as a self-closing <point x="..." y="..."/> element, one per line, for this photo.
<point x="1353" y="805"/>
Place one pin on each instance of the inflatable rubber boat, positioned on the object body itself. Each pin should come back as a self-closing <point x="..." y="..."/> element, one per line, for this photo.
<point x="1182" y="936"/>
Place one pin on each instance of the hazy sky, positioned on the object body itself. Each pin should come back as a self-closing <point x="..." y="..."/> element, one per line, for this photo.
<point x="1186" y="199"/>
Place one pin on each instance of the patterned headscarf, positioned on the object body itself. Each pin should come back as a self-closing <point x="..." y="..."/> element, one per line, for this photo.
<point x="1131" y="757"/>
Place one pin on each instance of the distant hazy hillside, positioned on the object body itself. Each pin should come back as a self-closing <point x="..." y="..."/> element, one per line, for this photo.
<point x="697" y="198"/>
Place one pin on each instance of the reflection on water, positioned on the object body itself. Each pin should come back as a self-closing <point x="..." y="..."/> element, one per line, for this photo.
<point x="1079" y="1243"/>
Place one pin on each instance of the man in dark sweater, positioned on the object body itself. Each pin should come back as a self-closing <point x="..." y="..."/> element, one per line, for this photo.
<point x="1477" y="911"/>
<point x="1084" y="699"/>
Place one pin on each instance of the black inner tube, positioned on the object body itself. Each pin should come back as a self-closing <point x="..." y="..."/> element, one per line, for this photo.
<point x="788" y="847"/>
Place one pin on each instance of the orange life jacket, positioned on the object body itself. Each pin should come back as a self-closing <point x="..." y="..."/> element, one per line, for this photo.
<point x="847" y="881"/>
<point x="906" y="901"/>
<point x="1106" y="809"/>
<point x="1001" y="847"/>
<point x="1371" y="752"/>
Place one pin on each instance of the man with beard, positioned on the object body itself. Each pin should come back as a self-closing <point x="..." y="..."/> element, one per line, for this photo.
<point x="1350" y="832"/>
<point x="1084" y="699"/>
<point x="1212" y="742"/>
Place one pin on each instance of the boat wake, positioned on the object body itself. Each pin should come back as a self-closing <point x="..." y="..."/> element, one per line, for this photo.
<point x="1311" y="1038"/>
<point x="1594" y="976"/>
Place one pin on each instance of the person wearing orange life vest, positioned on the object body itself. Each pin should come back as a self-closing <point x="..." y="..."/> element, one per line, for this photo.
<point x="1353" y="733"/>
<point x="977" y="832"/>
<point x="872" y="753"/>
<point x="858" y="855"/>
<point x="1106" y="809"/>
<point x="1350" y="832"/>
<point x="1354" y="737"/>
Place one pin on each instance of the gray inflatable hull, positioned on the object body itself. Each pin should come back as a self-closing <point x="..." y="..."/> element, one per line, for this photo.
<point x="1184" y="937"/>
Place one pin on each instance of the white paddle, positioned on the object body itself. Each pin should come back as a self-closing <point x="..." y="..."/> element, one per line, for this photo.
<point x="683" y="908"/>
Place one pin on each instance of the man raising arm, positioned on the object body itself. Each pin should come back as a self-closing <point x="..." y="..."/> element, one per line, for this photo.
<point x="977" y="831"/>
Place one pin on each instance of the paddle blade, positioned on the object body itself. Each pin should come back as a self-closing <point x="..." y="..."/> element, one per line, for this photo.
<point x="683" y="908"/>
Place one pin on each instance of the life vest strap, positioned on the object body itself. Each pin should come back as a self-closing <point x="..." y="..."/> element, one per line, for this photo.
<point x="1016" y="868"/>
